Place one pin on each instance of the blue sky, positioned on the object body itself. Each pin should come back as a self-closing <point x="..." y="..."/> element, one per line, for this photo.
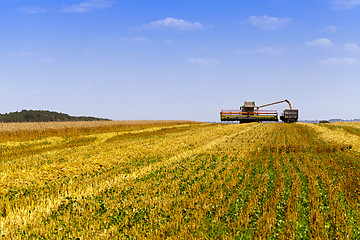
<point x="171" y="59"/>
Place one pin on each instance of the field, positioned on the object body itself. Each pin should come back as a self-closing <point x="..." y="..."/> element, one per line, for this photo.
<point x="179" y="180"/>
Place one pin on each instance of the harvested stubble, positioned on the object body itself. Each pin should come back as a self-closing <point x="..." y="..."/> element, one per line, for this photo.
<point x="182" y="180"/>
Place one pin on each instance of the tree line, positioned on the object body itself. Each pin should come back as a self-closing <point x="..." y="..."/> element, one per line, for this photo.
<point x="43" y="116"/>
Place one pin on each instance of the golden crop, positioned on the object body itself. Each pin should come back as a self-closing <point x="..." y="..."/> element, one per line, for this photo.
<point x="36" y="130"/>
<point x="343" y="133"/>
<point x="174" y="179"/>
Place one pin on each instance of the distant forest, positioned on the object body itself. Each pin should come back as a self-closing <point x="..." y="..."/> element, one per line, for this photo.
<point x="43" y="116"/>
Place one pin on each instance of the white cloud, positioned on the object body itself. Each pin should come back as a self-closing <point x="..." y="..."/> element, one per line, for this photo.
<point x="270" y="50"/>
<point x="269" y="23"/>
<point x="22" y="54"/>
<point x="345" y="4"/>
<point x="322" y="42"/>
<point x="352" y="48"/>
<point x="330" y="29"/>
<point x="173" y="23"/>
<point x="87" y="6"/>
<point x="345" y="61"/>
<point x="204" y="61"/>
<point x="32" y="10"/>
<point x="134" y="39"/>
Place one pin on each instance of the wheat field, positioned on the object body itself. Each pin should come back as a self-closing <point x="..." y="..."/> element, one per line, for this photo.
<point x="179" y="180"/>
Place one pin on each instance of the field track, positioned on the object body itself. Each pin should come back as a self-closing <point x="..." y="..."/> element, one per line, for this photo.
<point x="180" y="180"/>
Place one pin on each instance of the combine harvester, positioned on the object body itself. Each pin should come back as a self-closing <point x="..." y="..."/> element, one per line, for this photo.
<point x="251" y="113"/>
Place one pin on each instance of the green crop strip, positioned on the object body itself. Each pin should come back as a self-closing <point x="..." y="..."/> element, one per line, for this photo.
<point x="324" y="206"/>
<point x="242" y="199"/>
<point x="217" y="229"/>
<point x="281" y="206"/>
<point x="303" y="228"/>
<point x="258" y="209"/>
<point x="353" y="216"/>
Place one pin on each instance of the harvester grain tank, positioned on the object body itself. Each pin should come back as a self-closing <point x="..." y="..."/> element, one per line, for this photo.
<point x="249" y="112"/>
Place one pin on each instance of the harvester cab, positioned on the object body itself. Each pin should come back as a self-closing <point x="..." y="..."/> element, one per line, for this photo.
<point x="249" y="112"/>
<point x="248" y="107"/>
